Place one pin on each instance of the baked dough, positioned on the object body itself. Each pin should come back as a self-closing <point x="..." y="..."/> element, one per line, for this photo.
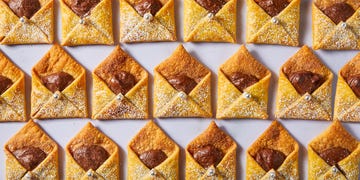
<point x="328" y="35"/>
<point x="95" y="28"/>
<point x="226" y="169"/>
<point x="90" y="135"/>
<point x="12" y="101"/>
<point x="133" y="104"/>
<point x="72" y="101"/>
<point x="32" y="135"/>
<point x="151" y="137"/>
<point x="275" y="137"/>
<point x="169" y="102"/>
<point x="281" y="29"/>
<point x="315" y="106"/>
<point x="200" y="25"/>
<point x="135" y="28"/>
<point x="231" y="102"/>
<point x="335" y="136"/>
<point x="21" y="30"/>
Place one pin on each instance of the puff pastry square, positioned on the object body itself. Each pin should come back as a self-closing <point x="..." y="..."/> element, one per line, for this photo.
<point x="95" y="28"/>
<point x="151" y="137"/>
<point x="136" y="28"/>
<point x="281" y="29"/>
<point x="253" y="102"/>
<point x="12" y="101"/>
<point x="31" y="135"/>
<point x="292" y="105"/>
<point x="328" y="35"/>
<point x="275" y="137"/>
<point x="89" y="136"/>
<point x="334" y="136"/>
<point x="169" y="102"/>
<point x="202" y="25"/>
<point x="107" y="104"/>
<point x="225" y="169"/>
<point x="69" y="103"/>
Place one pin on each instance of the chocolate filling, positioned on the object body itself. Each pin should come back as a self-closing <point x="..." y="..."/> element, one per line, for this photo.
<point x="269" y="159"/>
<point x="29" y="157"/>
<point x="121" y="82"/>
<point x="25" y="8"/>
<point x="272" y="7"/>
<point x="83" y="7"/>
<point x="305" y="81"/>
<point x="208" y="155"/>
<point x="90" y="156"/>
<point x="57" y="81"/>
<point x="334" y="155"/>
<point x="183" y="83"/>
<point x="148" y="6"/>
<point x="339" y="12"/>
<point x="213" y="6"/>
<point x="5" y="83"/>
<point x="152" y="158"/>
<point x="354" y="83"/>
<point x="242" y="81"/>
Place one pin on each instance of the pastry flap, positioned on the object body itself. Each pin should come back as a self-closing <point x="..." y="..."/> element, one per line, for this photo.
<point x="334" y="173"/>
<point x="211" y="174"/>
<point x="350" y="114"/>
<point x="8" y="113"/>
<point x="102" y="94"/>
<point x="166" y="16"/>
<point x="101" y="18"/>
<point x="153" y="174"/>
<point x="256" y="19"/>
<point x="193" y="13"/>
<point x="129" y="18"/>
<point x="68" y="18"/>
<point x="344" y="37"/>
<point x="7" y="19"/>
<point x="273" y="175"/>
<point x="43" y="19"/>
<point x="92" y="175"/>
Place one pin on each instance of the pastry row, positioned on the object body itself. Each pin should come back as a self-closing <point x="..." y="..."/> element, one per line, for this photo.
<point x="182" y="88"/>
<point x="32" y="154"/>
<point x="335" y="23"/>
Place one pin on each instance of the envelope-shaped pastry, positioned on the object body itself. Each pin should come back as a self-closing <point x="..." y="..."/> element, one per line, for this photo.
<point x="31" y="154"/>
<point x="211" y="155"/>
<point x="210" y="20"/>
<point x="92" y="155"/>
<point x="304" y="90"/>
<point x="274" y="155"/>
<point x="147" y="21"/>
<point x="152" y="155"/>
<point x="86" y="25"/>
<point x="120" y="88"/>
<point x="347" y="102"/>
<point x="243" y="85"/>
<point x="266" y="26"/>
<point x="335" y="154"/>
<point x="335" y="24"/>
<point x="26" y="22"/>
<point x="182" y="87"/>
<point x="58" y="87"/>
<point x="12" y="91"/>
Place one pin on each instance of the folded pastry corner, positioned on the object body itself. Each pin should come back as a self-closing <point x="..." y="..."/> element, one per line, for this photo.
<point x="152" y="155"/>
<point x="304" y="90"/>
<point x="182" y="87"/>
<point x="243" y="85"/>
<point x="274" y="155"/>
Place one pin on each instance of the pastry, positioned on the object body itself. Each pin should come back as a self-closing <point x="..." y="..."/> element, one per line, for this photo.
<point x="334" y="154"/>
<point x="26" y="21"/>
<point x="92" y="155"/>
<point x="210" y="20"/>
<point x="304" y="90"/>
<point x="335" y="24"/>
<point x="147" y="21"/>
<point x="31" y="154"/>
<point x="347" y="103"/>
<point x="274" y="155"/>
<point x="243" y="85"/>
<point x="120" y="88"/>
<point x="152" y="155"/>
<point x="211" y="155"/>
<point x="273" y="22"/>
<point x="182" y="87"/>
<point x="58" y="87"/>
<point x="12" y="91"/>
<point x="86" y="22"/>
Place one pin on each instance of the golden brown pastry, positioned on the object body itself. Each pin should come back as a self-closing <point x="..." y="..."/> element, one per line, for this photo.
<point x="120" y="88"/>
<point x="211" y="155"/>
<point x="243" y="85"/>
<point x="335" y="24"/>
<point x="31" y="154"/>
<point x="210" y="20"/>
<point x="334" y="154"/>
<point x="304" y="90"/>
<point x="152" y="155"/>
<point x="58" y="87"/>
<point x="274" y="155"/>
<point x="182" y="87"/>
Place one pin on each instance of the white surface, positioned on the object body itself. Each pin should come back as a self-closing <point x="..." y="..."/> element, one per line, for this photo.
<point x="182" y="131"/>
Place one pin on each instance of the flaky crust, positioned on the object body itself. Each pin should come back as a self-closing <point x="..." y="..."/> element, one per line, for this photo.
<point x="32" y="135"/>
<point x="231" y="103"/>
<point x="168" y="102"/>
<point x="289" y="103"/>
<point x="72" y="101"/>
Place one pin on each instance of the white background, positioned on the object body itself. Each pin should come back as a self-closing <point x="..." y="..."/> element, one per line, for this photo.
<point x="183" y="130"/>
